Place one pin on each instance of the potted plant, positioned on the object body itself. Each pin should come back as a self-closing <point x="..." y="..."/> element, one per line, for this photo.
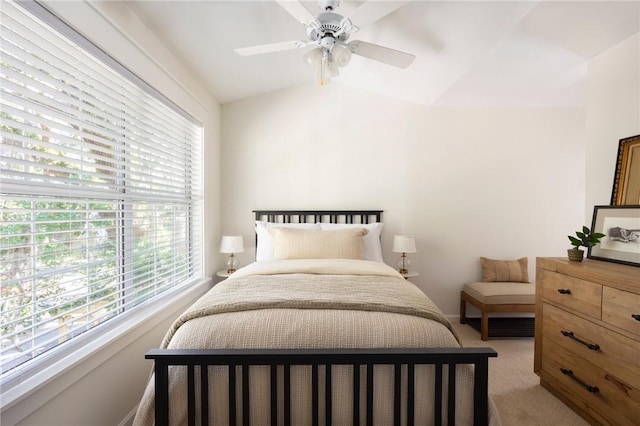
<point x="585" y="238"/>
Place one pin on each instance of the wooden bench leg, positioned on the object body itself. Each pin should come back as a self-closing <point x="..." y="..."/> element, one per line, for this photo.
<point x="463" y="311"/>
<point x="484" y="326"/>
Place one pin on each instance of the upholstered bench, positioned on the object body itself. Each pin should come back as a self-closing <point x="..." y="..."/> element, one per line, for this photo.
<point x="496" y="297"/>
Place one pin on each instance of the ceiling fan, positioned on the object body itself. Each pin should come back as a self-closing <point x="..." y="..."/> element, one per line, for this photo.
<point x="329" y="32"/>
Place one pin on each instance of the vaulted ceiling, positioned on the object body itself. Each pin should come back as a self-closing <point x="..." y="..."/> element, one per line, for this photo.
<point x="468" y="53"/>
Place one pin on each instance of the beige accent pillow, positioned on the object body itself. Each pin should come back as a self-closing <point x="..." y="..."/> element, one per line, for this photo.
<point x="289" y="243"/>
<point x="505" y="270"/>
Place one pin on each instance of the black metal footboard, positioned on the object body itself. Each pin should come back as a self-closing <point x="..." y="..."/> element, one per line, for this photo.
<point x="241" y="360"/>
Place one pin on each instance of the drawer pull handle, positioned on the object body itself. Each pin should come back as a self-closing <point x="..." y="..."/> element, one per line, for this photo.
<point x="564" y="291"/>
<point x="592" y="389"/>
<point x="635" y="317"/>
<point x="592" y="346"/>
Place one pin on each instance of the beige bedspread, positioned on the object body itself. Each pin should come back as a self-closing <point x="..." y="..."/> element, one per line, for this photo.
<point x="314" y="304"/>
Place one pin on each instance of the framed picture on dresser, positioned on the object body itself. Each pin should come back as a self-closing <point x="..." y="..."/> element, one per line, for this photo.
<point x="626" y="181"/>
<point x="621" y="226"/>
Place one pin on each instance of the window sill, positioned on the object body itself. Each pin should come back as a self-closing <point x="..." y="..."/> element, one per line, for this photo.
<point x="60" y="369"/>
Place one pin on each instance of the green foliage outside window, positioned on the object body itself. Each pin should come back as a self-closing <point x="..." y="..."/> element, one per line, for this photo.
<point x="58" y="256"/>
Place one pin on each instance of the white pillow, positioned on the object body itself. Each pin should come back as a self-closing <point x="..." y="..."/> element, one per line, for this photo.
<point x="372" y="249"/>
<point x="264" y="246"/>
<point x="311" y="244"/>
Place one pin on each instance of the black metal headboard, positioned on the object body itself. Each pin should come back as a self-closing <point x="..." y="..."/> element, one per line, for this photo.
<point x="319" y="216"/>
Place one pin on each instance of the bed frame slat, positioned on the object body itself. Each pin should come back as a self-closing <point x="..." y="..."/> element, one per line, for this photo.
<point x="232" y="394"/>
<point x="204" y="400"/>
<point x="397" y="393"/>
<point x="369" y="394"/>
<point x="246" y="406"/>
<point x="287" y="395"/>
<point x="410" y="391"/>
<point x="437" y="403"/>
<point x="318" y="216"/>
<point x="315" y="394"/>
<point x="274" y="394"/>
<point x="191" y="395"/>
<point x="328" y="401"/>
<point x="451" y="404"/>
<point x="356" y="394"/>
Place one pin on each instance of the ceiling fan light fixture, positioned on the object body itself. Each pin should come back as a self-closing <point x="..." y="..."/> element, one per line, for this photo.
<point x="341" y="55"/>
<point x="330" y="68"/>
<point x="313" y="57"/>
<point x="323" y="64"/>
<point x="326" y="70"/>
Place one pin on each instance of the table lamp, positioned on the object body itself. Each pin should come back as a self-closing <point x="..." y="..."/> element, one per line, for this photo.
<point x="404" y="244"/>
<point x="232" y="245"/>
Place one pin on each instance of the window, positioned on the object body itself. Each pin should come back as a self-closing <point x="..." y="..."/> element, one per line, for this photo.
<point x="100" y="188"/>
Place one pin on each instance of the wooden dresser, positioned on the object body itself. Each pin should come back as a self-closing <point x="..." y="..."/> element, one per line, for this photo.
<point x="587" y="340"/>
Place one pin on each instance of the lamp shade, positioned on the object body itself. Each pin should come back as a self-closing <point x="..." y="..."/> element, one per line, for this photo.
<point x="340" y="55"/>
<point x="313" y="57"/>
<point x="231" y="244"/>
<point x="404" y="244"/>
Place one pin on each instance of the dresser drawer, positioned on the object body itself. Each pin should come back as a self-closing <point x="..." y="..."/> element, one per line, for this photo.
<point x="583" y="296"/>
<point x="622" y="309"/>
<point x="591" y="388"/>
<point x="611" y="351"/>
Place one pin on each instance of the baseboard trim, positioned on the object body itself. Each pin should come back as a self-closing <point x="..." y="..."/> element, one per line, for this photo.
<point x="128" y="420"/>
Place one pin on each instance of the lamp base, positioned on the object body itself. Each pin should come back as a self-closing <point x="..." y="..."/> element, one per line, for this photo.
<point x="403" y="264"/>
<point x="232" y="264"/>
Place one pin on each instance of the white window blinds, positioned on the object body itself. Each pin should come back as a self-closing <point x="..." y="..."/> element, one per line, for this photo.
<point x="100" y="185"/>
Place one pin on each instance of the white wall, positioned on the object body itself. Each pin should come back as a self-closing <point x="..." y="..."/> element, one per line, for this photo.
<point x="501" y="183"/>
<point x="613" y="113"/>
<point x="106" y="385"/>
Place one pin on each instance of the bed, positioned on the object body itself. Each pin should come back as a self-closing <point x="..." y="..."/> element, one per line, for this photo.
<point x="317" y="331"/>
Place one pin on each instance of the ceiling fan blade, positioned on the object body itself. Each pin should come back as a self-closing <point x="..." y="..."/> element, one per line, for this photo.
<point x="297" y="10"/>
<point x="381" y="54"/>
<point x="372" y="10"/>
<point x="271" y="47"/>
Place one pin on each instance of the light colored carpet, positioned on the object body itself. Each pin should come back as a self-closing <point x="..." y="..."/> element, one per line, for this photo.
<point x="515" y="388"/>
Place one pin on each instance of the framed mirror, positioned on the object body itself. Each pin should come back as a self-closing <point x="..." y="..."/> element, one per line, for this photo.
<point x="626" y="181"/>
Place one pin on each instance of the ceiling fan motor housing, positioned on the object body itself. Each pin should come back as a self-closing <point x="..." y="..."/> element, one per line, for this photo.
<point x="329" y="27"/>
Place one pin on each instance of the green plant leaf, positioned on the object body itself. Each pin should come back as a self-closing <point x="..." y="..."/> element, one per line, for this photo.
<point x="574" y="241"/>
<point x="586" y="230"/>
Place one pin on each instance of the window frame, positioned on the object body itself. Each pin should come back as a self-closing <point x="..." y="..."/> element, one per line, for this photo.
<point x="70" y="350"/>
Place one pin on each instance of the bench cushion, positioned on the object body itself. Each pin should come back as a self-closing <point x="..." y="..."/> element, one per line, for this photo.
<point x="502" y="293"/>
